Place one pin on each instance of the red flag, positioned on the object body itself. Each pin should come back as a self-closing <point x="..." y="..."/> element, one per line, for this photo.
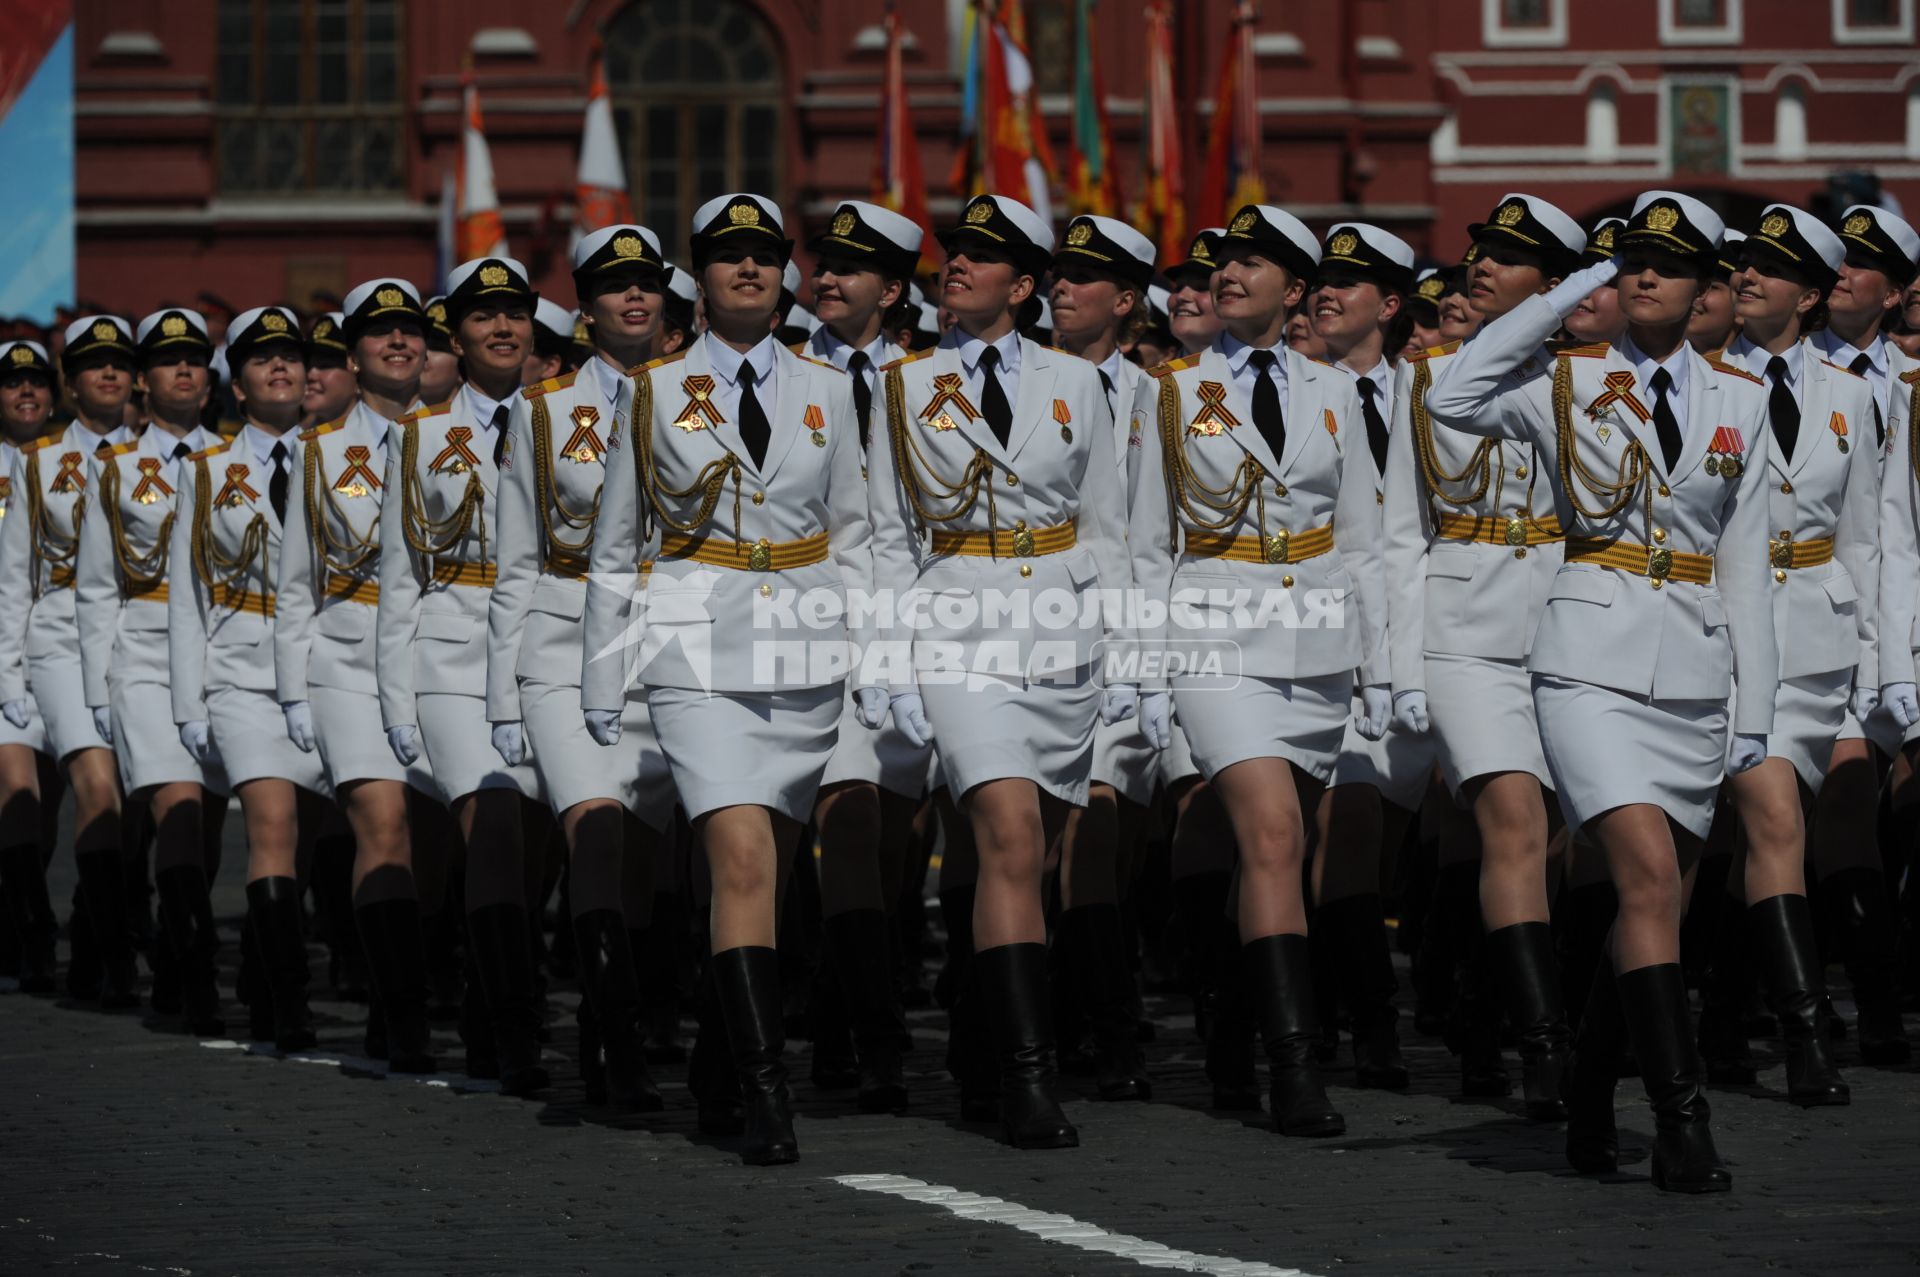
<point x="1093" y="186"/>
<point x="1163" y="202"/>
<point x="478" y="230"/>
<point x="600" y="190"/>
<point x="897" y="183"/>
<point x="1232" y="175"/>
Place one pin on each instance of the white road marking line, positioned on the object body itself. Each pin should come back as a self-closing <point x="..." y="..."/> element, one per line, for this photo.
<point x="464" y="1085"/>
<point x="1064" y="1229"/>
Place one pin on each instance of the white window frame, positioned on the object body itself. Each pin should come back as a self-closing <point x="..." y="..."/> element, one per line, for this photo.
<point x="1843" y="33"/>
<point x="1673" y="33"/>
<point x="1552" y="36"/>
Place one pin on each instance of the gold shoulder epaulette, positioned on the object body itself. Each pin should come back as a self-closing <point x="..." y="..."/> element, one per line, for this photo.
<point x="799" y="347"/>
<point x="1721" y="365"/>
<point x="421" y="414"/>
<point x="1175" y="365"/>
<point x="1842" y="368"/>
<point x="548" y="386"/>
<point x="1591" y="350"/>
<point x="45" y="442"/>
<point x="904" y="360"/>
<point x="324" y="428"/>
<point x="824" y="363"/>
<point x="214" y="451"/>
<point x="121" y="449"/>
<point x="1911" y="377"/>
<point x="661" y="362"/>
<point x="1431" y="351"/>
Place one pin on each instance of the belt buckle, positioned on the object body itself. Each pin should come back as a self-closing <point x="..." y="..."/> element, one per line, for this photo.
<point x="1781" y="552"/>
<point x="760" y="557"/>
<point x="1516" y="531"/>
<point x="1276" y="546"/>
<point x="1659" y="564"/>
<point x="1023" y="546"/>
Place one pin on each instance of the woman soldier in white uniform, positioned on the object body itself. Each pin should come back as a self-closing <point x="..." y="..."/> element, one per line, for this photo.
<point x="874" y="781"/>
<point x="1659" y="460"/>
<point x="1822" y="494"/>
<point x="30" y="782"/>
<point x="1378" y="785"/>
<point x="999" y="487"/>
<point x="743" y="489"/>
<point x="1099" y="295"/>
<point x="327" y="604"/>
<point x="437" y="571"/>
<point x="122" y="582"/>
<point x="232" y="499"/>
<point x="608" y="800"/>
<point x="1249" y="483"/>
<point x="40" y="643"/>
<point x="1882" y="255"/>
<point x="1472" y="548"/>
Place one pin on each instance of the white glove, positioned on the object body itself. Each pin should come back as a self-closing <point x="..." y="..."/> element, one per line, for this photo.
<point x="910" y="716"/>
<point x="1156" y="719"/>
<point x="103" y="723"/>
<point x="1748" y="753"/>
<point x="1376" y="711"/>
<point x="1566" y="296"/>
<point x="870" y="706"/>
<point x="404" y="741"/>
<point x="1118" y="703"/>
<point x="299" y="716"/>
<point x="198" y="740"/>
<point x="1865" y="701"/>
<point x="604" y="726"/>
<point x="17" y="713"/>
<point x="1410" y="711"/>
<point x="1901" y="699"/>
<point x="510" y="742"/>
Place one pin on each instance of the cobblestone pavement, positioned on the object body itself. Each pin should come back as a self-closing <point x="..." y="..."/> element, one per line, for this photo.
<point x="125" y="1147"/>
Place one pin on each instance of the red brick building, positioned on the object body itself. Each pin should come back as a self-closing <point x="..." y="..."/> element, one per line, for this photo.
<point x="271" y="148"/>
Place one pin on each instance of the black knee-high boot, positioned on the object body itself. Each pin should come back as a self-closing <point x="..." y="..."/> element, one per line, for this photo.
<point x="856" y="949"/>
<point x="1095" y="953"/>
<point x="332" y="884"/>
<point x="1523" y="956"/>
<point x="391" y="933"/>
<point x="969" y="1043"/>
<point x="710" y="1076"/>
<point x="1355" y="931"/>
<point x="273" y="908"/>
<point x="35" y="926"/>
<point x="603" y="950"/>
<point x="1593" y="1139"/>
<point x="747" y="980"/>
<point x="1581" y="923"/>
<point x="497" y="934"/>
<point x="1861" y="905"/>
<point x="104" y="886"/>
<point x="1781" y="929"/>
<point x="1723" y="1001"/>
<point x="1221" y="1006"/>
<point x="1011" y="981"/>
<point x="186" y="918"/>
<point x="1280" y="982"/>
<point x="1653" y="1002"/>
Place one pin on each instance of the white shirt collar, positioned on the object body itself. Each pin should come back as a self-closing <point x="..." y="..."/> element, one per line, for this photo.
<point x="1239" y="356"/>
<point x="726" y="360"/>
<point x="1844" y="353"/>
<point x="259" y="444"/>
<point x="1644" y="366"/>
<point x="1381" y="375"/>
<point x="828" y="346"/>
<point x="971" y="348"/>
<point x="607" y="382"/>
<point x="483" y="407"/>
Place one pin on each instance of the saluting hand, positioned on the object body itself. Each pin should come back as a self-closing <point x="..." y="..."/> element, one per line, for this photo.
<point x="1156" y="719"/>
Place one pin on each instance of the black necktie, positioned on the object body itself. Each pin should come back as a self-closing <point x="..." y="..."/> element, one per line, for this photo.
<point x="1665" y="424"/>
<point x="862" y="394"/>
<point x="993" y="397"/>
<point x="277" y="486"/>
<point x="1861" y="364"/>
<point x="1106" y="386"/>
<point x="1782" y="409"/>
<point x="501" y="419"/>
<point x="1266" y="403"/>
<point x="1376" y="427"/>
<point x="180" y="452"/>
<point x="754" y="431"/>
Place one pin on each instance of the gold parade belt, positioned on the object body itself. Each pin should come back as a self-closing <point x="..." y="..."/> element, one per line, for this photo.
<point x="746" y="556"/>
<point x="152" y="593"/>
<point x="1800" y="554"/>
<point x="1017" y="542"/>
<point x="1275" y="547"/>
<point x="239" y="600"/>
<point x="352" y="589"/>
<point x="564" y="568"/>
<point x="1659" y="565"/>
<point x="479" y="575"/>
<point x="1492" y="529"/>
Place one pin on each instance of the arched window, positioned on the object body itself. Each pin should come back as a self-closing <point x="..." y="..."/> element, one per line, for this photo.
<point x="1790" y="122"/>
<point x="1603" y="124"/>
<point x="697" y="94"/>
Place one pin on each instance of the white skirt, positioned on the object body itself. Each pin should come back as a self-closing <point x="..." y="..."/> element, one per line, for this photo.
<point x="251" y="734"/>
<point x="996" y="729"/>
<point x="54" y="681"/>
<point x="146" y="744"/>
<point x="1482" y="715"/>
<point x="33" y="735"/>
<point x="882" y="757"/>
<point x="1301" y="720"/>
<point x="1397" y="765"/>
<point x="1607" y="749"/>
<point x="1176" y="760"/>
<point x="1808" y="714"/>
<point x="573" y="769"/>
<point x="1881" y="730"/>
<point x="352" y="745"/>
<point x="458" y="741"/>
<point x="1122" y="758"/>
<point x="747" y="749"/>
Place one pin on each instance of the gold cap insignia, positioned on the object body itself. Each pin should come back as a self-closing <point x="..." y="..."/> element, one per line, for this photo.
<point x="1079" y="234"/>
<point x="390" y="297"/>
<point x="1857" y="224"/>
<point x="1243" y="223"/>
<point x="1774" y="226"/>
<point x="1662" y="217"/>
<point x="1200" y="252"/>
<point x="1431" y="287"/>
<point x="581" y="333"/>
<point x="437" y="312"/>
<point x="629" y="246"/>
<point x="105" y="331"/>
<point x="844" y="222"/>
<point x="274" y="322"/>
<point x="493" y="276"/>
<point x="323" y="329"/>
<point x="1511" y="214"/>
<point x="22" y="356"/>
<point x="1344" y="243"/>
<point x="981" y="210"/>
<point x="1605" y="238"/>
<point x="173" y="326"/>
<point x="744" y="214"/>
